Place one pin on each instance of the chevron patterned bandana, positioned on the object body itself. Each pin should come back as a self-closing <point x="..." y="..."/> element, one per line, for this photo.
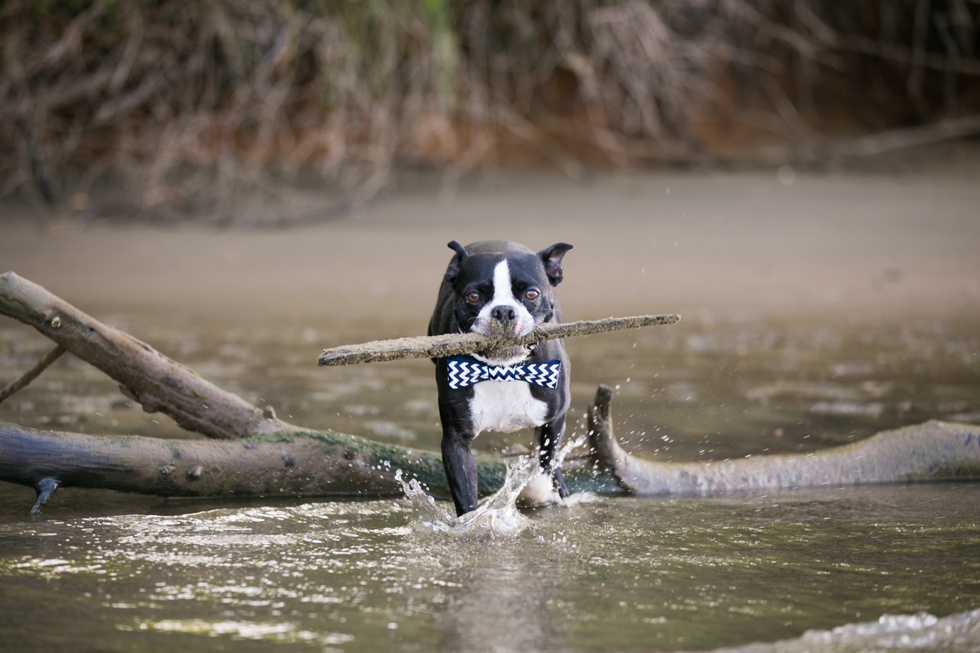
<point x="464" y="372"/>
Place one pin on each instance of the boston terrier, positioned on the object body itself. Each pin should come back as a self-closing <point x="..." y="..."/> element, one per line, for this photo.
<point x="488" y="287"/>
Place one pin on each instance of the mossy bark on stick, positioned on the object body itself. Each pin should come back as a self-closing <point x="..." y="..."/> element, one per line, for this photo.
<point x="456" y="344"/>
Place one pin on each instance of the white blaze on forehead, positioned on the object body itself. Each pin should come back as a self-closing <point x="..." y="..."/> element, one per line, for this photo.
<point x="503" y="287"/>
<point x="503" y="295"/>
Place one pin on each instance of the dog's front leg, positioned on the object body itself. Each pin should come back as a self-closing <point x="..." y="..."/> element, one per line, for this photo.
<point x="549" y="442"/>
<point x="457" y="458"/>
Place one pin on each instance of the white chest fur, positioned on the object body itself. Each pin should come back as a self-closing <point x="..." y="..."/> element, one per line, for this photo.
<point x="505" y="407"/>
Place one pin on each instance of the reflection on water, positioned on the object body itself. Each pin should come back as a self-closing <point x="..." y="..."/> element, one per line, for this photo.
<point x="812" y="571"/>
<point x="616" y="574"/>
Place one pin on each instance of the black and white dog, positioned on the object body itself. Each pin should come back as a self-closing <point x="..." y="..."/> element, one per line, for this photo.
<point x="489" y="286"/>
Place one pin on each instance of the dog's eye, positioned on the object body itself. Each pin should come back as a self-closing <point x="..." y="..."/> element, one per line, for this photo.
<point x="531" y="295"/>
<point x="473" y="296"/>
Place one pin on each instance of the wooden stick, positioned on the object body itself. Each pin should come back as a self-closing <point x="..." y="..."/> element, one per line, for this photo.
<point x="455" y="344"/>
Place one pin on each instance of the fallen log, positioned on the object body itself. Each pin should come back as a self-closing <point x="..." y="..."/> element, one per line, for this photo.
<point x="273" y="465"/>
<point x="457" y="344"/>
<point x="145" y="375"/>
<point x="331" y="464"/>
<point x="293" y="464"/>
<point x="933" y="450"/>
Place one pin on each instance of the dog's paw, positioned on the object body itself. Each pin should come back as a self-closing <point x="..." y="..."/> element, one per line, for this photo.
<point x="538" y="492"/>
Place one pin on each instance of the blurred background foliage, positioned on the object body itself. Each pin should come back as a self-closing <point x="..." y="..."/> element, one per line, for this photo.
<point x="186" y="102"/>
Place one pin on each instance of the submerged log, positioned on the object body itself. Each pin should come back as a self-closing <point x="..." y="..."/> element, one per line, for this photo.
<point x="330" y="464"/>
<point x="294" y="464"/>
<point x="932" y="450"/>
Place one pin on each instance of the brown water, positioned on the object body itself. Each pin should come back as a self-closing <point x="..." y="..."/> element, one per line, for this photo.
<point x="619" y="574"/>
<point x="105" y="571"/>
<point x="815" y="313"/>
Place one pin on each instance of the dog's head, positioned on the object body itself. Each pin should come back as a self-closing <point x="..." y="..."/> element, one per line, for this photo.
<point x="504" y="286"/>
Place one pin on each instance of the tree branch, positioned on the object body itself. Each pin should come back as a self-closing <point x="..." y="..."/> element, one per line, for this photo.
<point x="145" y="375"/>
<point x="929" y="451"/>
<point x="19" y="384"/>
<point x="318" y="464"/>
<point x="296" y="464"/>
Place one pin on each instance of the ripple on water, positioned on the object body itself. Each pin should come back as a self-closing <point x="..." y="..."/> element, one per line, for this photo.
<point x="923" y="632"/>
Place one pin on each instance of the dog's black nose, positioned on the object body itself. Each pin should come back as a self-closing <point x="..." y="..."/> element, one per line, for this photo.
<point x="504" y="314"/>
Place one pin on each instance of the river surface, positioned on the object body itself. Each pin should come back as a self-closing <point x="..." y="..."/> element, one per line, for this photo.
<point x="878" y="568"/>
<point x="817" y="310"/>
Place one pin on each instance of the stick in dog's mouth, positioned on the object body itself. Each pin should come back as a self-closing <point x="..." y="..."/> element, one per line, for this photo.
<point x="456" y="344"/>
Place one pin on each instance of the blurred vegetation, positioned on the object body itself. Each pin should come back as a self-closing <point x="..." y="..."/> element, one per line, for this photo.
<point x="187" y="102"/>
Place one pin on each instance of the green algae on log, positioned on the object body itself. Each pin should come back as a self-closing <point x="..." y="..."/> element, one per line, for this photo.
<point x="292" y="464"/>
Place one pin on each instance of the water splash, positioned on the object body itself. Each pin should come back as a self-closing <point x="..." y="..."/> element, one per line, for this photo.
<point x="499" y="515"/>
<point x="496" y="516"/>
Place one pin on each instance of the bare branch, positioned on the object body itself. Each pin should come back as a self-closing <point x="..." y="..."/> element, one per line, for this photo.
<point x="146" y="375"/>
<point x="897" y="139"/>
<point x="307" y="464"/>
<point x="31" y="374"/>
<point x="336" y="464"/>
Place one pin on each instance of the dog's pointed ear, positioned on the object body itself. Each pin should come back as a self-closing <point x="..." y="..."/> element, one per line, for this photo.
<point x="551" y="257"/>
<point x="454" y="265"/>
